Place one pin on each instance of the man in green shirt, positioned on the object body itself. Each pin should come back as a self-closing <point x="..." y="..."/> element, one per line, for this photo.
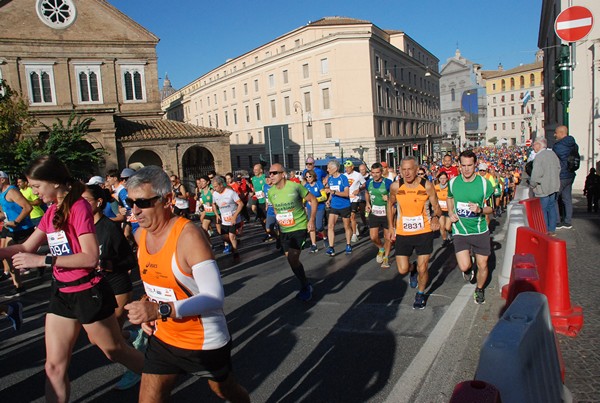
<point x="468" y="203"/>
<point x="287" y="200"/>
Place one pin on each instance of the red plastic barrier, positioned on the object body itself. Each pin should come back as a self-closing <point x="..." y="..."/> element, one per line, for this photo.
<point x="475" y="391"/>
<point x="523" y="277"/>
<point x="535" y="215"/>
<point x="551" y="257"/>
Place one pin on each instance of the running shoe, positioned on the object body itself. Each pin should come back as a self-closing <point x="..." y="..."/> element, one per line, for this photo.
<point x="414" y="280"/>
<point x="330" y="251"/>
<point x="379" y="257"/>
<point x="385" y="264"/>
<point x="15" y="292"/>
<point x="141" y="341"/>
<point x="128" y="380"/>
<point x="227" y="250"/>
<point x="15" y="314"/>
<point x="419" y="301"/>
<point x="4" y="276"/>
<point x="479" y="296"/>
<point x="348" y="249"/>
<point x="313" y="248"/>
<point x="469" y="275"/>
<point x="268" y="238"/>
<point x="305" y="293"/>
<point x="354" y="238"/>
<point x="567" y="226"/>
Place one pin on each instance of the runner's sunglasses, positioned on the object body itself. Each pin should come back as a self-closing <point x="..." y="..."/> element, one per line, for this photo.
<point x="142" y="203"/>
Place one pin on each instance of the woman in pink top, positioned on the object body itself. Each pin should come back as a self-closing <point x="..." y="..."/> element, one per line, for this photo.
<point x="79" y="298"/>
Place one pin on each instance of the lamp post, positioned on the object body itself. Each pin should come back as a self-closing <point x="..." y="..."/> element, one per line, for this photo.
<point x="298" y="106"/>
<point x="312" y="137"/>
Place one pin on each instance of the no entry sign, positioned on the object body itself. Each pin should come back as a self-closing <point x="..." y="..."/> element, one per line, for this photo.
<point x="528" y="142"/>
<point x="574" y="23"/>
<point x="415" y="147"/>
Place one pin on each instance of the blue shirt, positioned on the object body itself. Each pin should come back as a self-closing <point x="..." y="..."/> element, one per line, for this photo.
<point x="12" y="211"/>
<point x="339" y="184"/>
<point x="315" y="190"/>
<point x="270" y="209"/>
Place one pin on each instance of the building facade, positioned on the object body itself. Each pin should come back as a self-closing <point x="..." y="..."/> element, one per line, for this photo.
<point x="87" y="57"/>
<point x="515" y="102"/>
<point x="583" y="117"/>
<point x="463" y="104"/>
<point x="337" y="86"/>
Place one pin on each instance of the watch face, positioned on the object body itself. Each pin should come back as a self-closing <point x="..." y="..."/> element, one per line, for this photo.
<point x="164" y="309"/>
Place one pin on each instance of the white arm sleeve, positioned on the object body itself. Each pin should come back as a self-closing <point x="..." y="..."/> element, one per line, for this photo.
<point x="210" y="291"/>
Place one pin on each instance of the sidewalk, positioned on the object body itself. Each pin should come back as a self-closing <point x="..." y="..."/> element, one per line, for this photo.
<point x="582" y="353"/>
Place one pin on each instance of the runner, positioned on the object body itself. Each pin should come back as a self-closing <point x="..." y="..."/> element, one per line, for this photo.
<point x="79" y="297"/>
<point x="339" y="202"/>
<point x="181" y="204"/>
<point x="36" y="204"/>
<point x="414" y="224"/>
<point x="227" y="207"/>
<point x="287" y="197"/>
<point x="448" y="168"/>
<point x="441" y="189"/>
<point x="271" y="223"/>
<point x="258" y="181"/>
<point x="183" y="307"/>
<point x="468" y="203"/>
<point x="14" y="312"/>
<point x="376" y="195"/>
<point x="315" y="186"/>
<point x="204" y="197"/>
<point x="356" y="182"/>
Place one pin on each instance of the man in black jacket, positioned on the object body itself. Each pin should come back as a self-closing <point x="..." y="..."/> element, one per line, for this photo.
<point x="562" y="147"/>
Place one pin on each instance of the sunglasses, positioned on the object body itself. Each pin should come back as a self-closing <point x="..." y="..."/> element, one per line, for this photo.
<point x="310" y="163"/>
<point x="421" y="173"/>
<point x="309" y="176"/>
<point x="142" y="203"/>
<point x="272" y="173"/>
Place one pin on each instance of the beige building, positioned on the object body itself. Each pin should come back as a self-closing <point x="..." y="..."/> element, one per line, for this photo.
<point x="336" y="86"/>
<point x="584" y="107"/>
<point x="87" y="57"/>
<point x="515" y="102"/>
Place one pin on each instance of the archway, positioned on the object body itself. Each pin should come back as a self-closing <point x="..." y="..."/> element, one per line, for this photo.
<point x="196" y="161"/>
<point x="142" y="158"/>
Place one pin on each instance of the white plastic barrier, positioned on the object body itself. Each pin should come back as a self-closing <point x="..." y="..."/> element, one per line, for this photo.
<point x="520" y="356"/>
<point x="523" y="192"/>
<point x="516" y="219"/>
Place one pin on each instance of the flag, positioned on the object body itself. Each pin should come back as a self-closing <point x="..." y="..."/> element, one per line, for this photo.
<point x="526" y="98"/>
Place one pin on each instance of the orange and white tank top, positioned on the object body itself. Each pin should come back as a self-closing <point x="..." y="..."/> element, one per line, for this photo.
<point x="413" y="209"/>
<point x="164" y="281"/>
<point x="442" y="195"/>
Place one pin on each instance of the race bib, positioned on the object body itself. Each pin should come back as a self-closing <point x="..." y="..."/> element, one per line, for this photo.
<point x="443" y="204"/>
<point x="260" y="195"/>
<point x="462" y="210"/>
<point x="59" y="244"/>
<point x="159" y="294"/>
<point x="379" y="211"/>
<point x="208" y="208"/>
<point x="227" y="218"/>
<point x="286" y="219"/>
<point x="334" y="188"/>
<point x="412" y="224"/>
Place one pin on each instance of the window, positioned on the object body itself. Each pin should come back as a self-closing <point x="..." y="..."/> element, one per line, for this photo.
<point x="257" y="111"/>
<point x="233" y="93"/>
<point x="235" y="116"/>
<point x="216" y="120"/>
<point x="502" y="98"/>
<point x="271" y="81"/>
<point x="388" y="102"/>
<point x="307" y="106"/>
<point x="256" y="85"/>
<point x="285" y="76"/>
<point x="325" y="93"/>
<point x="503" y="126"/>
<point x="328" y="130"/>
<point x="503" y="111"/>
<point x="531" y="80"/>
<point x="512" y="83"/>
<point x="324" y="66"/>
<point x="134" y="82"/>
<point x="521" y="82"/>
<point x="89" y="84"/>
<point x="305" y="70"/>
<point x="512" y="110"/>
<point x="512" y="97"/>
<point x="226" y="118"/>
<point x="247" y="109"/>
<point x="245" y="88"/>
<point x="286" y="105"/>
<point x="56" y="14"/>
<point x="40" y="84"/>
<point x="503" y="85"/>
<point x="377" y="62"/>
<point x="379" y="96"/>
<point x="452" y="95"/>
<point x="495" y="127"/>
<point x="512" y="125"/>
<point x="282" y="48"/>
<point x="224" y="95"/>
<point x="494" y="88"/>
<point x="273" y="109"/>
<point x="215" y="96"/>
<point x="494" y="111"/>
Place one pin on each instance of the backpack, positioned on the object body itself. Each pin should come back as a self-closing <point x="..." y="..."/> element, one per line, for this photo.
<point x="574" y="159"/>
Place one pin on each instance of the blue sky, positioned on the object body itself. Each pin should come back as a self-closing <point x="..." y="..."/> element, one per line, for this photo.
<point x="197" y="36"/>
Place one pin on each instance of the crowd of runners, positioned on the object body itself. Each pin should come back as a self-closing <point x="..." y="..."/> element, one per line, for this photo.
<point x="93" y="234"/>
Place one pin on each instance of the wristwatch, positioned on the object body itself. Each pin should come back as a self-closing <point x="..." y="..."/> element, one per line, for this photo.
<point x="164" y="310"/>
<point x="49" y="261"/>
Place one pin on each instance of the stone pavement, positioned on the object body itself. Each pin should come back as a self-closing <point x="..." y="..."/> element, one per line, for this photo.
<point x="581" y="354"/>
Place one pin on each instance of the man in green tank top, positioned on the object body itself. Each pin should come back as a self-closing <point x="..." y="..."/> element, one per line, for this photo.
<point x="287" y="200"/>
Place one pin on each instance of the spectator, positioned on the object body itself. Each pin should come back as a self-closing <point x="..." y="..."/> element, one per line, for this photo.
<point x="592" y="190"/>
<point x="563" y="147"/>
<point x="545" y="181"/>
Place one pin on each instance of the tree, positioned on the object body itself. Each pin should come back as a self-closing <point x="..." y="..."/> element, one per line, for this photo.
<point x="493" y="140"/>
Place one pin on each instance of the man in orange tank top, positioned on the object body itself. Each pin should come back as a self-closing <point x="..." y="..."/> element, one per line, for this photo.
<point x="417" y="216"/>
<point x="182" y="310"/>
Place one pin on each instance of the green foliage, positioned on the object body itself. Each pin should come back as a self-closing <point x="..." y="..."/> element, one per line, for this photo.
<point x="493" y="140"/>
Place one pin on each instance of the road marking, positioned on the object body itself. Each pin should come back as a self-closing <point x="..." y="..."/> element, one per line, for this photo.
<point x="412" y="378"/>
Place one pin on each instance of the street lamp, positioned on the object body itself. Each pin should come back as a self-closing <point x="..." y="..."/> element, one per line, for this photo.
<point x="298" y="106"/>
<point x="312" y="137"/>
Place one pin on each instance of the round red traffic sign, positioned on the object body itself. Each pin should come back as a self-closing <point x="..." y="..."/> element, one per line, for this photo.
<point x="574" y="23"/>
<point x="528" y="142"/>
<point x="415" y="147"/>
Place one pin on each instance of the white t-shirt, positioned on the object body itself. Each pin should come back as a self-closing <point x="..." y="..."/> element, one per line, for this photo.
<point x="356" y="180"/>
<point x="227" y="203"/>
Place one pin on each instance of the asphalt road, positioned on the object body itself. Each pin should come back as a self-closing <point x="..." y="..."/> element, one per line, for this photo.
<point x="352" y="343"/>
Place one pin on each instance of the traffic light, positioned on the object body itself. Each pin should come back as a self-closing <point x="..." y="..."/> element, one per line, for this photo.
<point x="562" y="82"/>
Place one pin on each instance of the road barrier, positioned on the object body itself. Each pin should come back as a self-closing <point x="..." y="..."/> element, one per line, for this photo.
<point x="535" y="215"/>
<point x="516" y="219"/>
<point x="550" y="256"/>
<point x="475" y="391"/>
<point x="523" y="277"/>
<point x="520" y="357"/>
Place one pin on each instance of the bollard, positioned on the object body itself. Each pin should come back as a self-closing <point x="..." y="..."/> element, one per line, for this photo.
<point x="475" y="391"/>
<point x="520" y="357"/>
<point x="516" y="219"/>
<point x="551" y="258"/>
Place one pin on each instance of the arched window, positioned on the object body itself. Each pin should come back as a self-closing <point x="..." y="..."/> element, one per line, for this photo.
<point x="522" y="82"/>
<point x="531" y="80"/>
